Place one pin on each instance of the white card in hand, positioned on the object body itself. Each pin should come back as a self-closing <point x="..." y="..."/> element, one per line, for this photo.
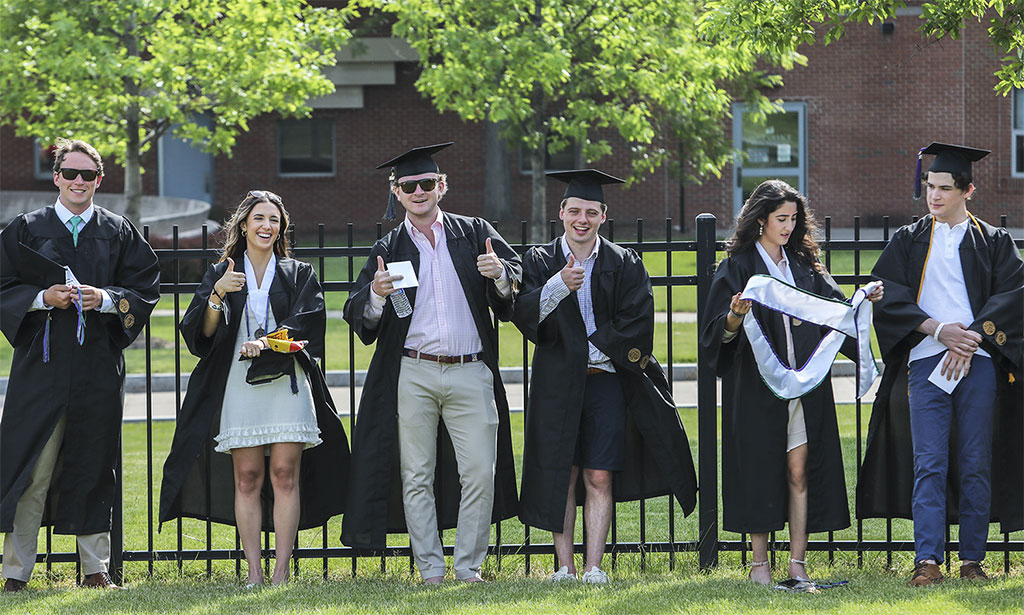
<point x="408" y="273"/>
<point x="69" y="277"/>
<point x="940" y="381"/>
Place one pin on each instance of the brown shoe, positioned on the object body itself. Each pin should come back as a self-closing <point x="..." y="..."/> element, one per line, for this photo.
<point x="14" y="585"/>
<point x="972" y="571"/>
<point x="925" y="574"/>
<point x="99" y="580"/>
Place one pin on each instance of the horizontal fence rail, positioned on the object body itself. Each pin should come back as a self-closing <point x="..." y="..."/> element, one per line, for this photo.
<point x="706" y="542"/>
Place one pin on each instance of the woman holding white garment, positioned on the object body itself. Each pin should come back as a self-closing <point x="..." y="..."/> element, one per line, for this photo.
<point x="781" y="458"/>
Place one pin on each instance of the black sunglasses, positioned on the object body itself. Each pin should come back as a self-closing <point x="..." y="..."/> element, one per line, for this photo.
<point x="87" y="174"/>
<point x="264" y="195"/>
<point x="426" y="184"/>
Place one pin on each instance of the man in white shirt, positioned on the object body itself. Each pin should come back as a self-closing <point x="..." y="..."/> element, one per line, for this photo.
<point x="950" y="321"/>
<point x="436" y="365"/>
<point x="69" y="328"/>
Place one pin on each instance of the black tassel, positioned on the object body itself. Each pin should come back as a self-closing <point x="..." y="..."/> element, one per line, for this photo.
<point x="917" y="176"/>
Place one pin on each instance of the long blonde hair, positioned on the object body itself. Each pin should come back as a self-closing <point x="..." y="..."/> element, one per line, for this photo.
<point x="234" y="241"/>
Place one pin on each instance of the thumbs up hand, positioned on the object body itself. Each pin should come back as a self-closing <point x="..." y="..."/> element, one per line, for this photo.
<point x="231" y="281"/>
<point x="383" y="282"/>
<point x="573" y="274"/>
<point x="488" y="263"/>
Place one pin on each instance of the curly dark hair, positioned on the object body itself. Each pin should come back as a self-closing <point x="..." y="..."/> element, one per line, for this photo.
<point x="765" y="199"/>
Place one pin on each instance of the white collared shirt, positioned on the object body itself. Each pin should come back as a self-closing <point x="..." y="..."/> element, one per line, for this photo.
<point x="555" y="290"/>
<point x="943" y="290"/>
<point x="65" y="215"/>
<point x="258" y="300"/>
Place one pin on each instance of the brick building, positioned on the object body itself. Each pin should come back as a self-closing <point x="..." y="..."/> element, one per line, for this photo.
<point x="855" y="117"/>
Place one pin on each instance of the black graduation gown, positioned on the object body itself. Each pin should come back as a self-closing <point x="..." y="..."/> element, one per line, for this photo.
<point x="375" y="492"/>
<point x="85" y="383"/>
<point x="658" y="460"/>
<point x="755" y="491"/>
<point x="189" y="489"/>
<point x="994" y="274"/>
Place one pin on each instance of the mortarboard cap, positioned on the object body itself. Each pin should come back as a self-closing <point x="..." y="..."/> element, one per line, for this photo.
<point x="585" y="183"/>
<point x="953" y="159"/>
<point x="413" y="162"/>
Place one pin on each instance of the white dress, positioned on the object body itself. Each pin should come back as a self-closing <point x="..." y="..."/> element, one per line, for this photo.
<point x="257" y="415"/>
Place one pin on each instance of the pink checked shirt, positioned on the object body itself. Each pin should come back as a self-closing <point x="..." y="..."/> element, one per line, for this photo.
<point x="442" y="323"/>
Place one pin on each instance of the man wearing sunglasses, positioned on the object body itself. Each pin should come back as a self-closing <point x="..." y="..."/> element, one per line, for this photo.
<point x="77" y="286"/>
<point x="438" y="364"/>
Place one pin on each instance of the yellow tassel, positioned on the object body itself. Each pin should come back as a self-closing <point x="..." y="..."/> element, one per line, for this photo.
<point x="1012" y="379"/>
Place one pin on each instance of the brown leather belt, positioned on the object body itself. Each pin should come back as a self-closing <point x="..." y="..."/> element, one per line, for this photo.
<point x="465" y="358"/>
<point x="595" y="370"/>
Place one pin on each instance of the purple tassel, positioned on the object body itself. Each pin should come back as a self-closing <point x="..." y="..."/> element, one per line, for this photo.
<point x="917" y="176"/>
<point x="80" y="333"/>
<point x="389" y="213"/>
<point x="46" y="339"/>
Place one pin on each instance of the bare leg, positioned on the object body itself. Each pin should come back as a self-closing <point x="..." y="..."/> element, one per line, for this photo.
<point x="597" y="513"/>
<point x="759" y="545"/>
<point x="249" y="472"/>
<point x="285" y="458"/>
<point x="796" y="465"/>
<point x="563" y="540"/>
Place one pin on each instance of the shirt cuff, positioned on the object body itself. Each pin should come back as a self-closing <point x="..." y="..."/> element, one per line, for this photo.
<point x="552" y="294"/>
<point x="374" y="306"/>
<point x="38" y="303"/>
<point x="728" y="336"/>
<point x="108" y="303"/>
<point x="503" y="286"/>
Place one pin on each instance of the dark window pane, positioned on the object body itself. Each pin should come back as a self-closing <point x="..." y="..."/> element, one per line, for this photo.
<point x="305" y="146"/>
<point x="1020" y="154"/>
<point x="564" y="160"/>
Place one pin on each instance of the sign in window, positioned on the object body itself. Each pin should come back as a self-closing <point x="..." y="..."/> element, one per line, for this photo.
<point x="773" y="149"/>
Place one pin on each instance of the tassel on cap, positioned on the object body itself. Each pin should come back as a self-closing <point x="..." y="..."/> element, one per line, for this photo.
<point x="917" y="175"/>
<point x="389" y="213"/>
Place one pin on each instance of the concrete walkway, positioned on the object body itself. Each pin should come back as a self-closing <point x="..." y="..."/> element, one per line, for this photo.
<point x="165" y="400"/>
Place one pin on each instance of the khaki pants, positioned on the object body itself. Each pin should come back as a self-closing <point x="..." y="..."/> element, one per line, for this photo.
<point x="20" y="546"/>
<point x="462" y="395"/>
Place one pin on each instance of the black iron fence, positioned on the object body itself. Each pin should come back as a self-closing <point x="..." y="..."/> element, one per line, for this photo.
<point x="706" y="541"/>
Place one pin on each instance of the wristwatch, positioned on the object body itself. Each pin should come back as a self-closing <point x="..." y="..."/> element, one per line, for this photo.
<point x="216" y="307"/>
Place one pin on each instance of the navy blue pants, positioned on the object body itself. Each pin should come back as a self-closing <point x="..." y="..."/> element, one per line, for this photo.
<point x="932" y="414"/>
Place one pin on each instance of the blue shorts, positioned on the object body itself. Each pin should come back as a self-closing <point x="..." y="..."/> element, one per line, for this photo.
<point x="601" y="441"/>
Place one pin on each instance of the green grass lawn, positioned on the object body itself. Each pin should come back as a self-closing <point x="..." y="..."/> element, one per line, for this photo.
<point x="873" y="582"/>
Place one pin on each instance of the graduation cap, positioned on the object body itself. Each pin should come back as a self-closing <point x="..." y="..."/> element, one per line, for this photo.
<point x="953" y="159"/>
<point x="413" y="162"/>
<point x="585" y="183"/>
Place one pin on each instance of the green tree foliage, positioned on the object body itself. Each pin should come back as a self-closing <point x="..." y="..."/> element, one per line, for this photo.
<point x="558" y="72"/>
<point x="120" y="73"/>
<point x="776" y="26"/>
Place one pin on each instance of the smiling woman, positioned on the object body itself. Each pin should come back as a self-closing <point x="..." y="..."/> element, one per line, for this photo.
<point x="239" y="398"/>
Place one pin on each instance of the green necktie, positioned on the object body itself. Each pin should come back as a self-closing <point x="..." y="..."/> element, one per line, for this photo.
<point x="75" y="221"/>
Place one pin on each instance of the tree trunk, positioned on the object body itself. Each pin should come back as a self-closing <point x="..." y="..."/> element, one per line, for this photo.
<point x="133" y="142"/>
<point x="497" y="183"/>
<point x="133" y="169"/>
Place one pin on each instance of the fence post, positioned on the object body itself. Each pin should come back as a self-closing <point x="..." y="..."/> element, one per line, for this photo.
<point x="707" y="406"/>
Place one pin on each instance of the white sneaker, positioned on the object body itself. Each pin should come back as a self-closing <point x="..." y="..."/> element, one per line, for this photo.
<point x="595" y="575"/>
<point x="563" y="574"/>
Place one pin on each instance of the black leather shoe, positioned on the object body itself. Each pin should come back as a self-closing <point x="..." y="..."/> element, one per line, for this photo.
<point x="14" y="585"/>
